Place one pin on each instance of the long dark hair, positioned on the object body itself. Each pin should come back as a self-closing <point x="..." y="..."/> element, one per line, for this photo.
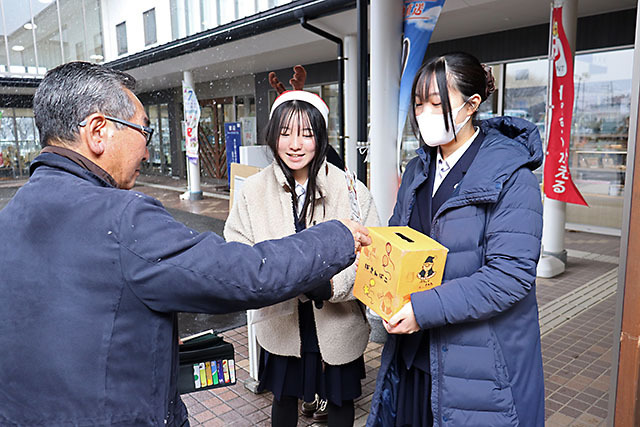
<point x="282" y="117"/>
<point x="458" y="70"/>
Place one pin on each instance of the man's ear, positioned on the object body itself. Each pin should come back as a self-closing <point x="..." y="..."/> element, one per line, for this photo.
<point x="94" y="133"/>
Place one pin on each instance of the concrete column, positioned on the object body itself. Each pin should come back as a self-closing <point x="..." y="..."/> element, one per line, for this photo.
<point x="554" y="255"/>
<point x="193" y="170"/>
<point x="351" y="101"/>
<point x="386" y="36"/>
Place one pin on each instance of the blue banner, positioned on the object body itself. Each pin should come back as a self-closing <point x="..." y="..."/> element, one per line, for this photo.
<point x="420" y="19"/>
<point x="233" y="138"/>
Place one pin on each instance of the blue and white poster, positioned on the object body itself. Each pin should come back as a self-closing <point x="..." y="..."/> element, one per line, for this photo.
<point x="420" y="19"/>
<point x="191" y="119"/>
<point x="233" y="138"/>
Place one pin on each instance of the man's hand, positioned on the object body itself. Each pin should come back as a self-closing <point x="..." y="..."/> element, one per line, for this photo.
<point x="403" y="322"/>
<point x="360" y="233"/>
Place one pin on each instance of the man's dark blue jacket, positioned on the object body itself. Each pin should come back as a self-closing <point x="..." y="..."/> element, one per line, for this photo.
<point x="91" y="279"/>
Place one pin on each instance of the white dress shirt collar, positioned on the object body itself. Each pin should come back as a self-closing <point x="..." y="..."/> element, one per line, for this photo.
<point x="443" y="166"/>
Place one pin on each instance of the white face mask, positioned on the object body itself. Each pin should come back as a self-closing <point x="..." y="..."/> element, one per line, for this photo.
<point x="432" y="127"/>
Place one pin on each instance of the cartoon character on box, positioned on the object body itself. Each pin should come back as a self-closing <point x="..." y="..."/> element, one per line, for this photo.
<point x="386" y="304"/>
<point x="368" y="289"/>
<point x="427" y="271"/>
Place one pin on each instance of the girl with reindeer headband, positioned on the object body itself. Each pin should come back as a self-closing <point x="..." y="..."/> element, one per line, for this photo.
<point x="317" y="347"/>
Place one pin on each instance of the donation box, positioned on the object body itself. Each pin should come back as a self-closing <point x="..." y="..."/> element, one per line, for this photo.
<point x="399" y="262"/>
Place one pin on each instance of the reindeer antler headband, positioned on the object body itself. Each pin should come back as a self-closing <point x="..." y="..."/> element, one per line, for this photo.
<point x="297" y="94"/>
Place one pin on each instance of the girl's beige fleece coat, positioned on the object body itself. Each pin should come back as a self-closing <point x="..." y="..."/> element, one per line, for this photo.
<point x="264" y="211"/>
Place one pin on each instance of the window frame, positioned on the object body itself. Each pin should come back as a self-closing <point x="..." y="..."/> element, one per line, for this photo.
<point x="122" y="45"/>
<point x="148" y="18"/>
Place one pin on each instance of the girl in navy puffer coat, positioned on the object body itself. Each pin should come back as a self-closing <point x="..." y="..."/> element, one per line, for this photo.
<point x="467" y="353"/>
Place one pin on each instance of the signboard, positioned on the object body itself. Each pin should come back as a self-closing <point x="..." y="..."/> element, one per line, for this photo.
<point x="233" y="138"/>
<point x="558" y="183"/>
<point x="248" y="130"/>
<point x="420" y="19"/>
<point x="191" y="119"/>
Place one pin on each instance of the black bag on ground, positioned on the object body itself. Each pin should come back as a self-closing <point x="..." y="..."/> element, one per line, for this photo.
<point x="206" y="362"/>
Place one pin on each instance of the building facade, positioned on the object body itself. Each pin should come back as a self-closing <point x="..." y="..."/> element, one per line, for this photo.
<point x="230" y="46"/>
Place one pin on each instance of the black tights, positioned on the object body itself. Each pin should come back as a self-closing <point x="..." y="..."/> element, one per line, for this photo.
<point x="284" y="413"/>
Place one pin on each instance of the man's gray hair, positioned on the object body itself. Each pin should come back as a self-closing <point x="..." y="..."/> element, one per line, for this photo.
<point x="72" y="91"/>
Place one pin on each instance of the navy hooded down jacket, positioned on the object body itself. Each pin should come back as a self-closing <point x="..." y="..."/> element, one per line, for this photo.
<point x="485" y="357"/>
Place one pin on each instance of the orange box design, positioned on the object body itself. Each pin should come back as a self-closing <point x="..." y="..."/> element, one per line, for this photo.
<point x="399" y="262"/>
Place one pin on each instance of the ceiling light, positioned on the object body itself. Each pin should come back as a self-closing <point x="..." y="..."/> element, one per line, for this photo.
<point x="96" y="57"/>
<point x="17" y="48"/>
<point x="29" y="26"/>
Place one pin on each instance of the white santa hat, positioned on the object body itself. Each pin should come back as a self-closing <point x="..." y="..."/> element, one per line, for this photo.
<point x="302" y="95"/>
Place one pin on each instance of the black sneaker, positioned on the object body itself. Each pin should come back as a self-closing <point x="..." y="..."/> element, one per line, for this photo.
<point x="308" y="408"/>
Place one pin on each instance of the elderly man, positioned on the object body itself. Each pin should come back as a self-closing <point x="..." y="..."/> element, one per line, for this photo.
<point x="93" y="275"/>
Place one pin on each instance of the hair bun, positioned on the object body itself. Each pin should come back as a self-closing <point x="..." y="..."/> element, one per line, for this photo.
<point x="491" y="81"/>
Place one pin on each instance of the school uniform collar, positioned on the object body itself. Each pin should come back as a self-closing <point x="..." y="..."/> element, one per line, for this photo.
<point x="322" y="179"/>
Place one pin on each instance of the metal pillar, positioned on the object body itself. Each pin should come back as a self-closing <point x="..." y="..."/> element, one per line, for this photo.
<point x="554" y="255"/>
<point x="193" y="171"/>
<point x="351" y="101"/>
<point x="386" y="36"/>
<point x="363" y="79"/>
<point x="338" y="42"/>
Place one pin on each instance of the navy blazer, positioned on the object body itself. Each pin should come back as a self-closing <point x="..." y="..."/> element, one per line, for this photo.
<point x="426" y="207"/>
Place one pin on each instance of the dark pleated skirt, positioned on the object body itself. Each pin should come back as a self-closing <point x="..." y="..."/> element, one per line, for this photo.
<point x="414" y="396"/>
<point x="304" y="376"/>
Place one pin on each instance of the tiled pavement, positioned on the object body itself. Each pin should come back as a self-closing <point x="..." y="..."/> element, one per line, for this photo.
<point x="576" y="352"/>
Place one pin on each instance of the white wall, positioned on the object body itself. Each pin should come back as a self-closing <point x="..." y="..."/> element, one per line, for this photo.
<point x="116" y="11"/>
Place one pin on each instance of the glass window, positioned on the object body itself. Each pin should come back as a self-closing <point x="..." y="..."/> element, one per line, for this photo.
<point x="209" y="10"/>
<point x="329" y="93"/>
<point x="245" y="8"/>
<point x="193" y="17"/>
<point x="8" y="147"/>
<point x="246" y="114"/>
<point x="121" y="38"/>
<point x="79" y="49"/>
<point x="526" y="90"/>
<point x="165" y="139"/>
<point x="175" y="25"/>
<point x="490" y="108"/>
<point x="20" y="32"/>
<point x="227" y="11"/>
<point x="28" y="139"/>
<point x="4" y="48"/>
<point x="93" y="30"/>
<point x="600" y="126"/>
<point x="73" y="29"/>
<point x="600" y="131"/>
<point x="47" y="33"/>
<point x="160" y="147"/>
<point x="149" y="19"/>
<point x="155" y="153"/>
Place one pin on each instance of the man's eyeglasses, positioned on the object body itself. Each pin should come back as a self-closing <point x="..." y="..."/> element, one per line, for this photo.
<point x="145" y="130"/>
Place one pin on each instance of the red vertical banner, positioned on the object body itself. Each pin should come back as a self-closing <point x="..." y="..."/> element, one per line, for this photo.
<point x="558" y="184"/>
